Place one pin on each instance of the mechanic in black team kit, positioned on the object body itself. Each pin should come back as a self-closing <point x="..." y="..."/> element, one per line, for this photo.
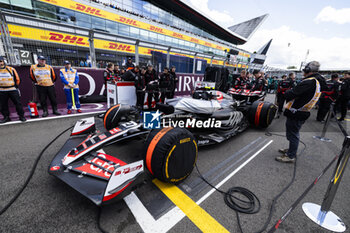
<point x="344" y="95"/>
<point x="174" y="81"/>
<point x="165" y="80"/>
<point x="284" y="85"/>
<point x="260" y="82"/>
<point x="108" y="74"/>
<point x="152" y="79"/>
<point x="327" y="97"/>
<point x="301" y="100"/>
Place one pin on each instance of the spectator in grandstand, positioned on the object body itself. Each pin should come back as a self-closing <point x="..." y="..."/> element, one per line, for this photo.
<point x="70" y="79"/>
<point x="174" y="81"/>
<point x="301" y="100"/>
<point x="165" y="80"/>
<point x="152" y="85"/>
<point x="9" y="81"/>
<point x="44" y="79"/>
<point x="108" y="74"/>
<point x="327" y="97"/>
<point x="140" y="85"/>
<point x="81" y="64"/>
<point x="129" y="65"/>
<point x="344" y="95"/>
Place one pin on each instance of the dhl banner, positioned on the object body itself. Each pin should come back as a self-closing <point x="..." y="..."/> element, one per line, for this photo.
<point x="70" y="39"/>
<point x="47" y="36"/>
<point x="77" y="6"/>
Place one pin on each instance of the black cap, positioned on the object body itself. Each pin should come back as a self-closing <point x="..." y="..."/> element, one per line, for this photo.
<point x="2" y="58"/>
<point x="41" y="57"/>
<point x="166" y="68"/>
<point x="66" y="62"/>
<point x="129" y="58"/>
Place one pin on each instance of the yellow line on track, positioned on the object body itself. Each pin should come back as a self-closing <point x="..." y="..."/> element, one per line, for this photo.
<point x="204" y="221"/>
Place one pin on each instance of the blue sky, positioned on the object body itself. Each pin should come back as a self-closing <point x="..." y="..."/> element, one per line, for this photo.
<point x="322" y="27"/>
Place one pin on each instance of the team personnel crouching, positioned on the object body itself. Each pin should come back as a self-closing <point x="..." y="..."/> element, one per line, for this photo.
<point x="327" y="97"/>
<point x="9" y="81"/>
<point x="44" y="78"/>
<point x="301" y="100"/>
<point x="70" y="79"/>
<point x="284" y="85"/>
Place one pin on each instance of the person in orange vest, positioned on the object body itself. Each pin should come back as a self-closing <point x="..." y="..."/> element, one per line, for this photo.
<point x="129" y="65"/>
<point x="70" y="79"/>
<point x="9" y="82"/>
<point x="44" y="78"/>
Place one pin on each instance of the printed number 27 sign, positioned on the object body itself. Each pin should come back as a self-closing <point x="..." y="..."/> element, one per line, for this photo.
<point x="26" y="57"/>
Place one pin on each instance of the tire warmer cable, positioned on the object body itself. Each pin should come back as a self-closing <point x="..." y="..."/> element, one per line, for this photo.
<point x="251" y="206"/>
<point x="14" y="198"/>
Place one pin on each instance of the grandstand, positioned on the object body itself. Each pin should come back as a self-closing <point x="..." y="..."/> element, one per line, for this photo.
<point x="93" y="32"/>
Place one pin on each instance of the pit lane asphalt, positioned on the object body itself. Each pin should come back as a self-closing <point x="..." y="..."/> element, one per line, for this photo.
<point x="48" y="205"/>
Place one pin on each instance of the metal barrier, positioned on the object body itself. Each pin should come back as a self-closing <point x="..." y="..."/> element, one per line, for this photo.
<point x="322" y="215"/>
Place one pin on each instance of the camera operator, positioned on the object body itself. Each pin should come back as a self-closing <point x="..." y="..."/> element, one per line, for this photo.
<point x="301" y="99"/>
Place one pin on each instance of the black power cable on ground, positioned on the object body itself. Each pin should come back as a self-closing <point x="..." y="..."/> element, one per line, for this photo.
<point x="252" y="204"/>
<point x="99" y="220"/>
<point x="3" y="210"/>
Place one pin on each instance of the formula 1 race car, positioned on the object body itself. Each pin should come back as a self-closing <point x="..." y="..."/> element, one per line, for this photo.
<point x="169" y="153"/>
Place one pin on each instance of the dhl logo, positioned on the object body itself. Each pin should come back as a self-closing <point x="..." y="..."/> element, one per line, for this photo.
<point x="120" y="47"/>
<point x="194" y="40"/>
<point x="67" y="38"/>
<point x="219" y="47"/>
<point x="207" y="44"/>
<point x="156" y="29"/>
<point x="88" y="9"/>
<point x="178" y="35"/>
<point x="127" y="21"/>
<point x="12" y="33"/>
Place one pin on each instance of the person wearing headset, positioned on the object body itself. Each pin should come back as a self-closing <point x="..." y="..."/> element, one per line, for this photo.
<point x="300" y="100"/>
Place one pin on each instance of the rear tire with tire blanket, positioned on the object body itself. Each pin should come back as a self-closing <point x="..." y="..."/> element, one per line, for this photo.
<point x="115" y="114"/>
<point x="261" y="114"/>
<point x="170" y="154"/>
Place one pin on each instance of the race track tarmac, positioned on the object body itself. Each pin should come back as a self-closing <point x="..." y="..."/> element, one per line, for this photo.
<point x="247" y="160"/>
